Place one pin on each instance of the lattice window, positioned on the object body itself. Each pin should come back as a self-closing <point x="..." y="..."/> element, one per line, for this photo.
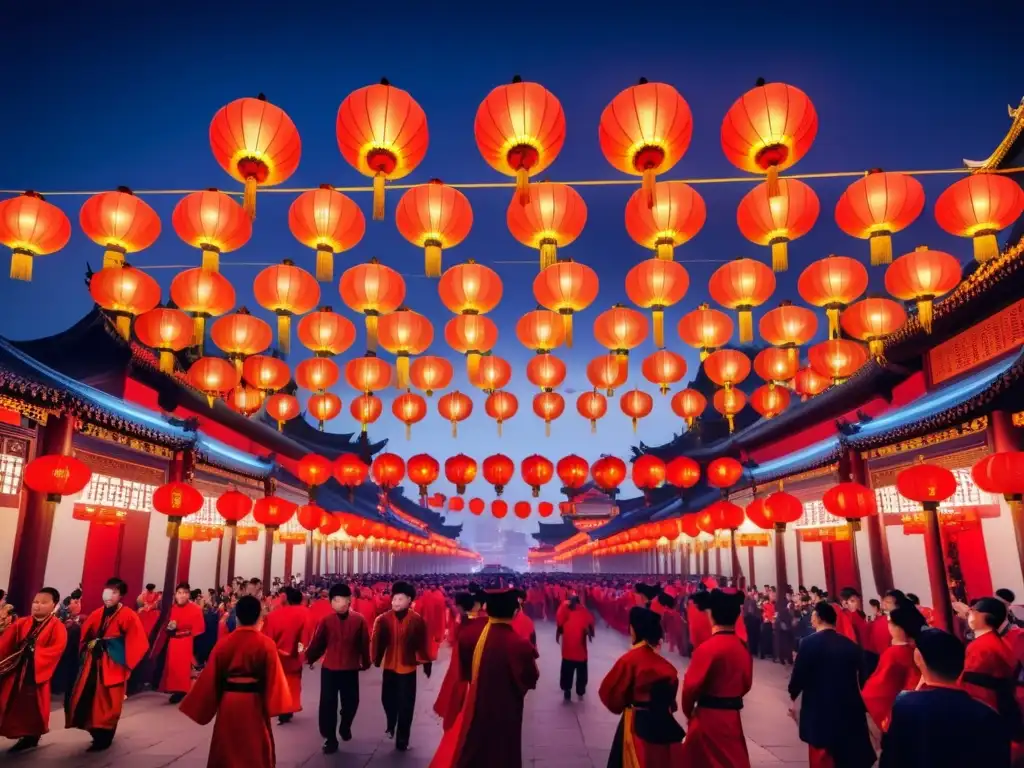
<point x="13" y="454"/>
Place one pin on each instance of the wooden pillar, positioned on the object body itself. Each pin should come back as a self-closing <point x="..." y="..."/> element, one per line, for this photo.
<point x="219" y="565"/>
<point x="179" y="470"/>
<point x="705" y="564"/>
<point x="800" y="562"/>
<point x="1006" y="437"/>
<point x="718" y="560"/>
<point x="751" y="577"/>
<point x="942" y="607"/>
<point x="853" y="469"/>
<point x="735" y="558"/>
<point x="268" y="555"/>
<point x="780" y="566"/>
<point x="231" y="542"/>
<point x="32" y="547"/>
<point x="307" y="570"/>
<point x="288" y="553"/>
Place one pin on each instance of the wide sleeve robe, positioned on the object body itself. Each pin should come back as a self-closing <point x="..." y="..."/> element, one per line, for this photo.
<point x="25" y="689"/>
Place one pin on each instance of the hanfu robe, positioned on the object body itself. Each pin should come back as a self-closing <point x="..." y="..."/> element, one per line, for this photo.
<point x="719" y="676"/>
<point x="699" y="624"/>
<point x="243" y="685"/>
<point x="148" y="604"/>
<point x="113" y="643"/>
<point x="641" y="687"/>
<point x="452" y="694"/>
<point x="30" y="651"/>
<point x="288" y="627"/>
<point x="990" y="677"/>
<point x="174" y="650"/>
<point x="524" y="627"/>
<point x="896" y="672"/>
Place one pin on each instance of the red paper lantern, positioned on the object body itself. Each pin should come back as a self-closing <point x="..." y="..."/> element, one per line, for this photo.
<point x="456" y="504"/>
<point x="656" y="284"/>
<point x="409" y="408"/>
<point x="769" y="400"/>
<point x="540" y="330"/>
<point x="689" y="404"/>
<point x="554" y="217"/>
<point x="124" y="292"/>
<point x="775" y="221"/>
<point x="775" y="365"/>
<point x="267" y="374"/>
<point x="324" y="406"/>
<point x="871" y="320"/>
<point x="606" y="372"/>
<point x="317" y="374"/>
<point x="928" y="484"/>
<point x="978" y="206"/>
<point x="501" y="406"/>
<point x="851" y="501"/>
<point x="366" y="409"/>
<point x="494" y="373"/>
<point x="727" y="367"/>
<point x="838" y="359"/>
<point x="31" y="227"/>
<point x="423" y="470"/>
<point x="282" y="408"/>
<point x="499" y="508"/>
<point x="213" y="377"/>
<point x="314" y="470"/>
<point x="677" y="215"/>
<point x="326" y="333"/>
<point x="233" y="506"/>
<point x="619" y="330"/>
<point x="382" y="133"/>
<point x="472" y="336"/>
<point x="120" y="222"/>
<point x="728" y="516"/>
<point x="330" y="525"/>
<point x="310" y="516"/>
<point x="328" y="222"/>
<point x="165" y="330"/>
<point x="536" y="471"/>
<point x="272" y="512"/>
<point x="545" y="508"/>
<point x="707" y="521"/>
<point x="682" y="472"/>
<point x="460" y="470"/>
<point x="808" y="382"/>
<point x="664" y="368"/>
<point x="742" y="284"/>
<point x="572" y="471"/>
<point x="1001" y="473"/>
<point x="350" y="471"/>
<point x="566" y="287"/>
<point x="212" y="222"/>
<point x="592" y="406"/>
<point x="368" y="373"/>
<point x="783" y="508"/>
<point x="372" y="290"/>
<point x="455" y="407"/>
<point x="637" y="405"/>
<point x="729" y="402"/>
<point x="56" y="476"/>
<point x="241" y="335"/>
<point x="522" y="509"/>
<point x="177" y="500"/>
<point x="788" y="326"/>
<point x="705" y="329"/>
<point x="608" y="473"/>
<point x="388" y="470"/>
<point x="548" y="406"/>
<point x="477" y="506"/>
<point x="877" y="206"/>
<point x="285" y="290"/>
<point x="649" y="472"/>
<point x="724" y="472"/>
<point x="545" y="371"/>
<point x="434" y="216"/>
<point x="404" y="333"/>
<point x="498" y="471"/>
<point x="833" y="283"/>
<point x="256" y="143"/>
<point x="922" y="276"/>
<point x="429" y="373"/>
<point x="757" y="513"/>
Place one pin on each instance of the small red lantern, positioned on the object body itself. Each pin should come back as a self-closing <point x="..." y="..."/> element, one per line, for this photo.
<point x="724" y="472"/>
<point x="476" y="506"/>
<point x="499" y="508"/>
<point x="548" y="406"/>
<point x="233" y="506"/>
<point x="649" y="472"/>
<point x="498" y="470"/>
<point x="545" y="508"/>
<point x="728" y="516"/>
<point x="429" y="373"/>
<point x="742" y="284"/>
<point x="536" y="471"/>
<point x="1001" y="473"/>
<point x="177" y="500"/>
<point x="922" y="276"/>
<point x="592" y="406"/>
<point x="165" y="330"/>
<point x="928" y="484"/>
<point x="545" y="371"/>
<point x="409" y="408"/>
<point x="729" y="402"/>
<point x="350" y="471"/>
<point x="460" y="471"/>
<point x="314" y="470"/>
<point x="664" y="368"/>
<point x="522" y="509"/>
<point x="572" y="471"/>
<point x="423" y="470"/>
<point x="57" y="476"/>
<point x="851" y="501"/>
<point x="769" y="400"/>
<point x="311" y="516"/>
<point x="366" y="409"/>
<point x="689" y="404"/>
<point x="501" y="406"/>
<point x="682" y="472"/>
<point x="272" y="512"/>
<point x="608" y="473"/>
<point x="388" y="470"/>
<point x="783" y="508"/>
<point x="637" y="405"/>
<point x="324" y="406"/>
<point x="455" y="407"/>
<point x="281" y="408"/>
<point x="456" y="504"/>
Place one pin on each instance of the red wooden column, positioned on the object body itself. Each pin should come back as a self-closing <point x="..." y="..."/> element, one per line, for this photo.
<point x="736" y="571"/>
<point x="853" y="469"/>
<point x="942" y="608"/>
<point x="231" y="542"/>
<point x="268" y="541"/>
<point x="32" y="548"/>
<point x="781" y="577"/>
<point x="751" y="578"/>
<point x="288" y="553"/>
<point x="178" y="471"/>
<point x="307" y="571"/>
<point x="1006" y="437"/>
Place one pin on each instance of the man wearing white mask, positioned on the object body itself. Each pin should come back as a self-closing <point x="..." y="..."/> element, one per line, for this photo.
<point x="113" y="643"/>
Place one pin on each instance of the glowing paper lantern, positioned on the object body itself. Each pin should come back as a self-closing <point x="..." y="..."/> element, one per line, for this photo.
<point x="808" y="382"/>
<point x="656" y="284"/>
<point x="978" y="206"/>
<point x="241" y="335"/>
<point x="729" y="402"/>
<point x="689" y="404"/>
<point x="498" y="470"/>
<point x="876" y="207"/>
<point x="548" y="406"/>
<point x="833" y="283"/>
<point x="317" y="374"/>
<point x="124" y="292"/>
<point x="545" y="371"/>
<point x="434" y="216"/>
<point x="606" y="372"/>
<point x="540" y="330"/>
<point x="455" y="407"/>
<point x="501" y="406"/>
<point x="282" y="408"/>
<point x="119" y="222"/>
<point x="212" y="222"/>
<point x="165" y="330"/>
<point x="324" y="406"/>
<point x="838" y="359"/>
<point x="724" y="472"/>
<point x="32" y="227"/>
<point x="608" y="473"/>
<point x="460" y="471"/>
<point x="788" y="327"/>
<point x="727" y="367"/>
<point x="742" y="284"/>
<point x="267" y="374"/>
<point x="472" y="336"/>
<point x="664" y="368"/>
<point x="387" y="470"/>
<point x="56" y="476"/>
<point x="573" y="471"/>
<point x="677" y="215"/>
<point x="619" y="330"/>
<point x="705" y="329"/>
<point x="592" y="406"/>
<point x="328" y="222"/>
<point x="922" y="276"/>
<point x="494" y="373"/>
<point x="325" y="333"/>
<point x="285" y="290"/>
<point x="554" y="217"/>
<point x="429" y="373"/>
<point x="636" y="404"/>
<point x="536" y="471"/>
<point x="682" y="472"/>
<point x="871" y="320"/>
<point x="372" y="290"/>
<point x="366" y="409"/>
<point x="423" y="469"/>
<point x="775" y="221"/>
<point x="566" y="287"/>
<point x="409" y="408"/>
<point x="404" y="333"/>
<point x="769" y="401"/>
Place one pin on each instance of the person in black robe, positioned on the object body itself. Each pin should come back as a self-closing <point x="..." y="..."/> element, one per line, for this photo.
<point x="940" y="725"/>
<point x="826" y="676"/>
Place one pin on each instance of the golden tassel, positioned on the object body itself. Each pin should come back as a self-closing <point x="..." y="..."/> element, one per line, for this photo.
<point x="746" y="326"/>
<point x="173" y="526"/>
<point x="729" y="419"/>
<point x="198" y="332"/>
<point x="689" y="422"/>
<point x="432" y="260"/>
<point x="324" y="264"/>
<point x="985" y="246"/>
<point x="593" y="426"/>
<point x="113" y="258"/>
<point x="211" y="259"/>
<point x="548" y="253"/>
<point x="780" y="255"/>
<point x="209" y="399"/>
<point x="876" y="347"/>
<point x="567" y="327"/>
<point x="378" y="196"/>
<point x="280" y="426"/>
<point x="664" y="250"/>
<point x="371" y="333"/>
<point x="832" y="313"/>
<point x="124" y="326"/>
<point x="408" y="431"/>
<point x="363" y="426"/>
<point x="523" y="185"/>
<point x="704" y="353"/>
<point x="547" y="428"/>
<point x="284" y="333"/>
<point x="166" y="361"/>
<point x="499" y="427"/>
<point x="659" y="328"/>
<point x="881" y="248"/>
<point x="773" y="183"/>
<point x="238" y="364"/>
<point x="249" y="197"/>
<point x="402" y="366"/>
<point x="924" y="314"/>
<point x="634" y="426"/>
<point x="455" y="428"/>
<point x="472" y="364"/>
<point x="21" y="266"/>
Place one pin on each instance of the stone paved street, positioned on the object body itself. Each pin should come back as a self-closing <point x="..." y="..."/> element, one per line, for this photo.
<point x="154" y="734"/>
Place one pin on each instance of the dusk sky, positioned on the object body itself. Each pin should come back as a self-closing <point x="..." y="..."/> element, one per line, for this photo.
<point x="116" y="93"/>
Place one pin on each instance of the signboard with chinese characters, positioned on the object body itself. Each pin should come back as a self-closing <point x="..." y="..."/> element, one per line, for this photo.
<point x="993" y="337"/>
<point x="752" y="540"/>
<point x="952" y="520"/>
<point x="827" y="534"/>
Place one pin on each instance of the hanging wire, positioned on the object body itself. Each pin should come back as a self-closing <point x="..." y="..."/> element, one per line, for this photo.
<point x="633" y="182"/>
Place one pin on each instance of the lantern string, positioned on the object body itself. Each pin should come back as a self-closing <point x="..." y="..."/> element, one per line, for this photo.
<point x="407" y="275"/>
<point x="633" y="182"/>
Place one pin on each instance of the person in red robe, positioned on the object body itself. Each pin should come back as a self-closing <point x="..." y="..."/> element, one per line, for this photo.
<point x="990" y="667"/>
<point x="641" y="687"/>
<point x="523" y="624"/>
<point x="243" y="685"/>
<point x="147" y="606"/>
<point x="173" y="648"/>
<point x="452" y="693"/>
<point x="430" y="605"/>
<point x="342" y="640"/>
<point x="697" y="619"/>
<point x="501" y="668"/>
<point x="896" y="671"/>
<point x="30" y="650"/>
<point x="399" y="644"/>
<point x="718" y="677"/>
<point x="113" y="643"/>
<point x="318" y="609"/>
<point x="574" y="630"/>
<point x="365" y="604"/>
<point x="288" y="626"/>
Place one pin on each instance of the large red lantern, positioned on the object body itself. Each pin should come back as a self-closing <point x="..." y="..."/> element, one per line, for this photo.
<point x="212" y="222"/>
<point x="434" y="216"/>
<point x="233" y="506"/>
<point x="742" y="284"/>
<point x="566" y="287"/>
<point x="455" y="407"/>
<point x="365" y="409"/>
<point x="592" y="406"/>
<point x="272" y="512"/>
<point x="1001" y="473"/>
<point x="281" y="408"/>
<point x="838" y="359"/>
<point x="460" y="471"/>
<point x="572" y="471"/>
<point x="927" y="484"/>
<point x="368" y="373"/>
<point x="788" y="327"/>
<point x="850" y="501"/>
<point x="540" y="330"/>
<point x="675" y="218"/>
<point x="727" y="367"/>
<point x="498" y="470"/>
<point x="648" y="472"/>
<point x="330" y="525"/>
<point x="472" y="336"/>
<point x="758" y="514"/>
<point x="241" y="335"/>
<point x="833" y="283"/>
<point x="554" y="217"/>
<point x="619" y="330"/>
<point x="124" y="292"/>
<point x="729" y="402"/>
<point x="727" y="516"/>
<point x="324" y="406"/>
<point x="724" y="472"/>
<point x="689" y="404"/>
<point x="328" y="222"/>
<point x="350" y="471"/>
<point x="203" y="294"/>
<point x="808" y="382"/>
<point x="121" y="223"/>
<point x="775" y="221"/>
<point x="769" y="400"/>
<point x="388" y="470"/>
<point x="493" y="374"/>
<point x="382" y="133"/>
<point x="645" y="130"/>
<point x="682" y="472"/>
<point x="656" y="284"/>
<point x="409" y="408"/>
<point x="372" y="290"/>
<point x="310" y="516"/>
<point x="165" y="330"/>
<point x="429" y="373"/>
<point x="267" y="374"/>
<point x="57" y="476"/>
<point x="285" y="290"/>
<point x="256" y="143"/>
<point x="978" y="206"/>
<point x="423" y="470"/>
<point x="922" y="276"/>
<point x="545" y="371"/>
<point x="636" y="404"/>
<point x="871" y="320"/>
<point x="325" y="333"/>
<point x="314" y="470"/>
<point x="244" y="399"/>
<point x="501" y="406"/>
<point x="177" y="500"/>
<point x="536" y="471"/>
<point x="768" y="129"/>
<point x="664" y="368"/>
<point x="548" y="406"/>
<point x="877" y="206"/>
<point x="608" y="473"/>
<point x="783" y="508"/>
<point x="31" y="227"/>
<point x="705" y="329"/>
<point x="520" y="129"/>
<point x="213" y="377"/>
<point x="316" y="374"/>
<point x="606" y="372"/>
<point x="404" y="333"/>
<point x="775" y="365"/>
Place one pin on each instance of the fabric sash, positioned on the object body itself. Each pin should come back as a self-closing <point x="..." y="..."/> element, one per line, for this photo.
<point x="720" y="702"/>
<point x="253" y="686"/>
<point x="11" y="662"/>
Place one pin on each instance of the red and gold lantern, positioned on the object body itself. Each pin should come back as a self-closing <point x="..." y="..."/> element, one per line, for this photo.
<point x="120" y="223"/>
<point x="705" y="329"/>
<point x="372" y="290"/>
<point x="434" y="216"/>
<point x="455" y="407"/>
<point x="566" y="287"/>
<point x="833" y="283"/>
<point x="677" y="215"/>
<point x="328" y="222"/>
<point x="977" y="207"/>
<point x="212" y="222"/>
<point x="592" y="406"/>
<point x="32" y="227"/>
<point x="922" y="276"/>
<point x="876" y="207"/>
<point x="554" y="217"/>
<point x="656" y="284"/>
<point x="501" y="406"/>
<point x="536" y="471"/>
<point x="285" y="290"/>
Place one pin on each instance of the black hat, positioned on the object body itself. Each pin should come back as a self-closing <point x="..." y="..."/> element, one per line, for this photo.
<point x="404" y="588"/>
<point x="340" y="590"/>
<point x="646" y="624"/>
<point x="647" y="590"/>
<point x="994" y="610"/>
<point x="942" y="653"/>
<point x="501" y="603"/>
<point x="908" y="618"/>
<point x="725" y="606"/>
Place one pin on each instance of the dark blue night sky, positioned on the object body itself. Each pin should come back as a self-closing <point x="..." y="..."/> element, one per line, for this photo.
<point x="98" y="95"/>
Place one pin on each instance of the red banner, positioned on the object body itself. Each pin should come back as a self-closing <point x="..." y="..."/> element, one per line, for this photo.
<point x="827" y="534"/>
<point x="995" y="336"/>
<point x="752" y="539"/>
<point x="957" y="519"/>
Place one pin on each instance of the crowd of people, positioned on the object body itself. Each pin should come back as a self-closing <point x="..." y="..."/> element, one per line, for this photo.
<point x="882" y="685"/>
